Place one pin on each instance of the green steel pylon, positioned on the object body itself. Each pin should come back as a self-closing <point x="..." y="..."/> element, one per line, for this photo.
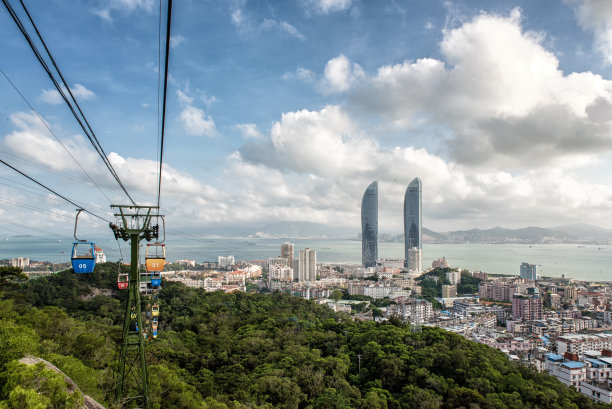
<point x="132" y="380"/>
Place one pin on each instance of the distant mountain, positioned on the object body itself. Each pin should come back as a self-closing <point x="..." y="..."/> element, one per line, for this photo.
<point x="586" y="231"/>
<point x="531" y="234"/>
<point x="430" y="235"/>
<point x="495" y="234"/>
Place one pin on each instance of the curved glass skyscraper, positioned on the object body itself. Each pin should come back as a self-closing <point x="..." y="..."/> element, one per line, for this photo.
<point x="412" y="223"/>
<point x="369" y="226"/>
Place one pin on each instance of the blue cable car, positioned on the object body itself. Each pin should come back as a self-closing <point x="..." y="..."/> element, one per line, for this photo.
<point x="156" y="279"/>
<point x="83" y="252"/>
<point x="83" y="257"/>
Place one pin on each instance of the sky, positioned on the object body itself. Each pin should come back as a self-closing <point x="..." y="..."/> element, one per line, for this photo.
<point x="287" y="110"/>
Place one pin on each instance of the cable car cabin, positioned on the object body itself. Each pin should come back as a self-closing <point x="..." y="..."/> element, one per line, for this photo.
<point x="156" y="279"/>
<point x="155" y="310"/>
<point x="123" y="281"/>
<point x="155" y="257"/>
<point x="83" y="257"/>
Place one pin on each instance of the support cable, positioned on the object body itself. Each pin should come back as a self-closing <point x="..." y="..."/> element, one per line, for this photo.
<point x="103" y="155"/>
<point x="163" y="123"/>
<point x="92" y="138"/>
<point x="53" y="191"/>
<point x="52" y="133"/>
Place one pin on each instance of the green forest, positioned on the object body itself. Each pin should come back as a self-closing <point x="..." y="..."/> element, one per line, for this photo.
<point x="239" y="350"/>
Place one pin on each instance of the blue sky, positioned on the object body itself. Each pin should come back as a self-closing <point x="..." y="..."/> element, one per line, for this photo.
<point x="287" y="110"/>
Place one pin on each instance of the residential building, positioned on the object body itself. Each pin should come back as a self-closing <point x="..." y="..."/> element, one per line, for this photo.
<point x="440" y="263"/>
<point x="528" y="271"/>
<point x="20" y="262"/>
<point x="280" y="272"/>
<point x="454" y="277"/>
<point x="528" y="308"/>
<point x="449" y="291"/>
<point x="287" y="252"/>
<point x="225" y="261"/>
<point x="369" y="226"/>
<point x="307" y="268"/>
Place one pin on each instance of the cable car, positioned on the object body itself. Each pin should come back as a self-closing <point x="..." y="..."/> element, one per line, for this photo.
<point x="154" y="334"/>
<point x="156" y="279"/>
<point x="123" y="280"/>
<point x="83" y="252"/>
<point x="155" y="310"/>
<point x="155" y="257"/>
<point x="154" y="324"/>
<point x="83" y="257"/>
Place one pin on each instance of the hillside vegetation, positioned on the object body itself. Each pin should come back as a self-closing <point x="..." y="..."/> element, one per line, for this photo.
<point x="239" y="350"/>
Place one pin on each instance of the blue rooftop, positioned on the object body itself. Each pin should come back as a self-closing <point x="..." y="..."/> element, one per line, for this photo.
<point x="572" y="364"/>
<point x="596" y="362"/>
<point x="553" y="357"/>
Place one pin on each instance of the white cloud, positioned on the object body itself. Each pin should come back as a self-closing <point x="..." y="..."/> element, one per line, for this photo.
<point x="31" y="140"/>
<point x="124" y="7"/>
<point x="596" y="16"/>
<point x="196" y="122"/>
<point x="315" y="166"/>
<point x="238" y="18"/>
<point x="327" y="6"/>
<point x="184" y="98"/>
<point x="340" y="75"/>
<point x="177" y="40"/>
<point x="141" y="175"/>
<point x="249" y="131"/>
<point x="302" y="74"/>
<point x="499" y="96"/>
<point x="269" y="24"/>
<point x="53" y="97"/>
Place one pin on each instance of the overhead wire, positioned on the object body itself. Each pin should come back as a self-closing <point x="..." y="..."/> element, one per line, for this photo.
<point x="51" y="190"/>
<point x="36" y="209"/>
<point x="52" y="133"/>
<point x="87" y="129"/>
<point x="163" y="121"/>
<point x="97" y="144"/>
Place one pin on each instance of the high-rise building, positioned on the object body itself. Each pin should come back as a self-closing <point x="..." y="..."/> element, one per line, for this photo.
<point x="415" y="260"/>
<point x="369" y="226"/>
<point x="525" y="307"/>
<point x="412" y="221"/>
<point x="528" y="271"/>
<point x="287" y="252"/>
<point x="307" y="269"/>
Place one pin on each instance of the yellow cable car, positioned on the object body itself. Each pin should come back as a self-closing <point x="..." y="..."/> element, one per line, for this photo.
<point x="155" y="310"/>
<point x="155" y="257"/>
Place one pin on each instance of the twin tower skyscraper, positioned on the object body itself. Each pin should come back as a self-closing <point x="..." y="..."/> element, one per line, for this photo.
<point x="412" y="226"/>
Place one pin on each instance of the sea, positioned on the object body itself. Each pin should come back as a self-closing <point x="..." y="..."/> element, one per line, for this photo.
<point x="581" y="262"/>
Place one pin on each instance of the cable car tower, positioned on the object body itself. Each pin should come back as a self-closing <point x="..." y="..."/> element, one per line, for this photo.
<point x="132" y="381"/>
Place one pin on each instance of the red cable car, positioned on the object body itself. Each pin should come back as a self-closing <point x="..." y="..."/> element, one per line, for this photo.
<point x="123" y="280"/>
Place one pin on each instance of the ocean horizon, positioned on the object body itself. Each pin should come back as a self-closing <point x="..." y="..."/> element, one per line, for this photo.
<point x="582" y="262"/>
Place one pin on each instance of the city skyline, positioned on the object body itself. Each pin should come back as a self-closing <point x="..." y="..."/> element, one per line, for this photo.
<point x="502" y="107"/>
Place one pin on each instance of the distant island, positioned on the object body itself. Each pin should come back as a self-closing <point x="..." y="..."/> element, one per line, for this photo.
<point x="579" y="233"/>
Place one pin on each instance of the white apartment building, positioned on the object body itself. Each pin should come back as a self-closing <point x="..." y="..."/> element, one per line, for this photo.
<point x="280" y="272"/>
<point x="20" y="262"/>
<point x="379" y="290"/>
<point x="307" y="266"/>
<point x="578" y="343"/>
<point x="225" y="261"/>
